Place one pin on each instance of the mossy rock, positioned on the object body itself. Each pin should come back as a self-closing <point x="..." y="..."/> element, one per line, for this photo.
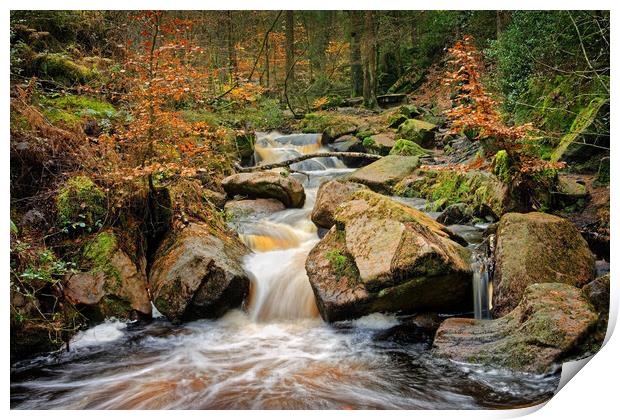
<point x="418" y="131"/>
<point x="114" y="285"/>
<point x="80" y="204"/>
<point x="404" y="147"/>
<point x="396" y="120"/>
<point x="501" y="166"/>
<point x="74" y="110"/>
<point x="537" y="248"/>
<point x="383" y="256"/>
<point x="62" y="69"/>
<point x="331" y="125"/>
<point x="409" y="111"/>
<point x="481" y="190"/>
<point x="383" y="174"/>
<point x="549" y="323"/>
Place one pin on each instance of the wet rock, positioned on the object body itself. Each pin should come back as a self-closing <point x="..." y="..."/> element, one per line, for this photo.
<point x="114" y="286"/>
<point x="383" y="142"/>
<point x="537" y="248"/>
<point x="481" y="190"/>
<point x="266" y="184"/>
<point x="383" y="174"/>
<point x="328" y="197"/>
<point x="197" y="273"/>
<point x="419" y="328"/>
<point x="548" y="324"/>
<point x="346" y="143"/>
<point x="597" y="292"/>
<point x="456" y="214"/>
<point x="382" y="256"/>
<point x="258" y="207"/>
<point x="418" y="131"/>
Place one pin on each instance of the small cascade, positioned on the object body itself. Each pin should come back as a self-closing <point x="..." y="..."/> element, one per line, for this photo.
<point x="281" y="242"/>
<point x="483" y="291"/>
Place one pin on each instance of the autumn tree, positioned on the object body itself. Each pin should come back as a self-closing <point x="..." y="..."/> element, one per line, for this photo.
<point x="476" y="115"/>
<point x="163" y="75"/>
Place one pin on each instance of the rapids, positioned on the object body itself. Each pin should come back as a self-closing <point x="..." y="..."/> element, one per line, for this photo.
<point x="276" y="353"/>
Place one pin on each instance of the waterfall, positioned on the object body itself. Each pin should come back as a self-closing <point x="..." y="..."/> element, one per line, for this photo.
<point x="482" y="286"/>
<point x="280" y="289"/>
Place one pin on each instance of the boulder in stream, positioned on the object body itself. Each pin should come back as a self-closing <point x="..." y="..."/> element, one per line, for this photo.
<point x="537" y="248"/>
<point x="197" y="273"/>
<point x="418" y="131"/>
<point x="328" y="197"/>
<point x="549" y="323"/>
<point x="266" y="184"/>
<point x="382" y="256"/>
<point x="257" y="207"/>
<point x="115" y="286"/>
<point x="383" y="174"/>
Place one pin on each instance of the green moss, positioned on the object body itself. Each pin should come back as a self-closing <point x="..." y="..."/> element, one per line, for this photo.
<point x="80" y="204"/>
<point x="98" y="253"/>
<point x="339" y="261"/>
<point x="71" y="110"/>
<point x="581" y="122"/>
<point x="417" y="131"/>
<point x="443" y="188"/>
<point x="501" y="166"/>
<point x="62" y="69"/>
<point x="395" y="120"/>
<point x="333" y="125"/>
<point x="368" y="142"/>
<point x="408" y="148"/>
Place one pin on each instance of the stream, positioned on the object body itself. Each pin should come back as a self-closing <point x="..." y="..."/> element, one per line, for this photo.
<point x="276" y="352"/>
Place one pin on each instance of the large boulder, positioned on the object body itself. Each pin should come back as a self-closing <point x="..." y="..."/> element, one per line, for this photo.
<point x="382" y="256"/>
<point x="115" y="286"/>
<point x="537" y="248"/>
<point x="266" y="184"/>
<point x="408" y="148"/>
<point x="548" y="324"/>
<point x="383" y="174"/>
<point x="329" y="196"/>
<point x="259" y="207"/>
<point x="197" y="273"/>
<point x="383" y="142"/>
<point x="418" y="131"/>
<point x="480" y="190"/>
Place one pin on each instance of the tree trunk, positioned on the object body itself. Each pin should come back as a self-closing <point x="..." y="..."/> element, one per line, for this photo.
<point x="369" y="60"/>
<point x="232" y="54"/>
<point x="290" y="46"/>
<point x="267" y="84"/>
<point x="355" y="28"/>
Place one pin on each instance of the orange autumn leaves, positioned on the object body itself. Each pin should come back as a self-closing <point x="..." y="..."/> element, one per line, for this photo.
<point x="164" y="74"/>
<point x="476" y="111"/>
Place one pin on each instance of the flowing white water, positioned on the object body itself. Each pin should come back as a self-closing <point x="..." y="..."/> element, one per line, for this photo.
<point x="278" y="354"/>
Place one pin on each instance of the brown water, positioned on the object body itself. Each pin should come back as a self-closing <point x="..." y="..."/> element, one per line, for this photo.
<point x="277" y="353"/>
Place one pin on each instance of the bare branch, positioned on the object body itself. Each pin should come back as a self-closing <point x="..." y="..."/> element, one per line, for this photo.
<point x="288" y="162"/>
